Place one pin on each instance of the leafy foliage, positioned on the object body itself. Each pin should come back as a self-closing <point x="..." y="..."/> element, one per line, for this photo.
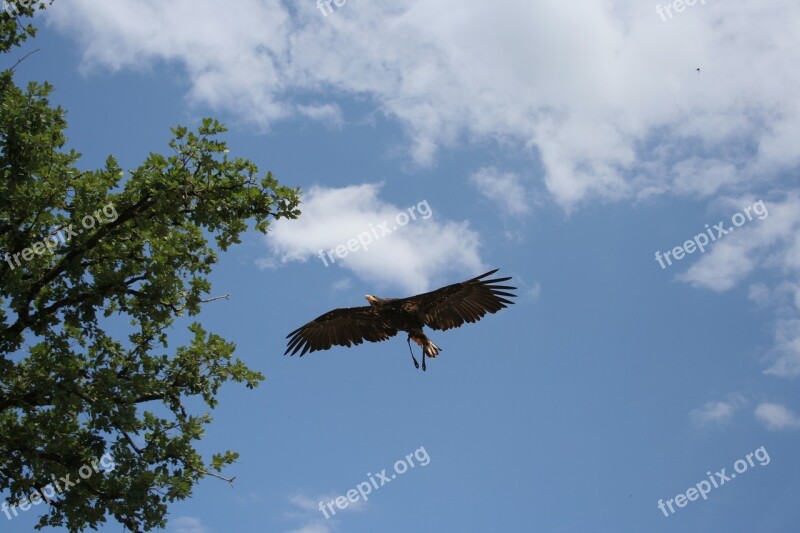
<point x="70" y="391"/>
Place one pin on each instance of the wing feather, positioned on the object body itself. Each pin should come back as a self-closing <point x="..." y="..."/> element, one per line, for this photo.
<point x="341" y="327"/>
<point x="468" y="301"/>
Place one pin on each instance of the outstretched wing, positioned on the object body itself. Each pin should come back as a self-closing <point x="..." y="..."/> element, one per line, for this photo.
<point x="468" y="301"/>
<point x="341" y="327"/>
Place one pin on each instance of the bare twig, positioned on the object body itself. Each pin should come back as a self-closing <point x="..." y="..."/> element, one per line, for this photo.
<point x="226" y="296"/>
<point x="23" y="59"/>
<point x="212" y="474"/>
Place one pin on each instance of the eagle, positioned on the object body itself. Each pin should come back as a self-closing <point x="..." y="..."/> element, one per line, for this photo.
<point x="442" y="309"/>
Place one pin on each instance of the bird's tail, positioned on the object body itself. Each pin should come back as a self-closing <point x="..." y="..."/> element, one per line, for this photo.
<point x="429" y="348"/>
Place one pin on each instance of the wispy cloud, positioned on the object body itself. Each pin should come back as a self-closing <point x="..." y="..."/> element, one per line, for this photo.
<point x="187" y="524"/>
<point x="306" y="510"/>
<point x="410" y="257"/>
<point x="304" y="503"/>
<point x="589" y="133"/>
<point x="719" y="412"/>
<point x="342" y="285"/>
<point x="535" y="290"/>
<point x="786" y="354"/>
<point x="314" y="527"/>
<point x="329" y="114"/>
<point x="504" y="189"/>
<point x="763" y="243"/>
<point x="777" y="417"/>
<point x="768" y="244"/>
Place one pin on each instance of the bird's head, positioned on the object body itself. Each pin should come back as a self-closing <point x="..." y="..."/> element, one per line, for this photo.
<point x="373" y="301"/>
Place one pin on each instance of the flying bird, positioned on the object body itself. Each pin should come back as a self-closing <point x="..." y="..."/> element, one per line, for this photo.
<point x="442" y="309"/>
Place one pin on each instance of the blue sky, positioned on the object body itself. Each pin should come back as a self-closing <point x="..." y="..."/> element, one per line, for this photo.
<point x="564" y="143"/>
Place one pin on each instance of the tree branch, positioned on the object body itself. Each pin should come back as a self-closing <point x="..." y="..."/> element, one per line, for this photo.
<point x="26" y="56"/>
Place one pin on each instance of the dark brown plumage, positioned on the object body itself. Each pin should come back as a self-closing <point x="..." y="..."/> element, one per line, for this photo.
<point x="442" y="309"/>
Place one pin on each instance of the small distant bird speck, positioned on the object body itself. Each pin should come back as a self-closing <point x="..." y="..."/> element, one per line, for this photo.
<point x="442" y="309"/>
<point x="698" y="70"/>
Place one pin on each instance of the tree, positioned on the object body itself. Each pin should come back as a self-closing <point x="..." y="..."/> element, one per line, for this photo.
<point x="80" y="250"/>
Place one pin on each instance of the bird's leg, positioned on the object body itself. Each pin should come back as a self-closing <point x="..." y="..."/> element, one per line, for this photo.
<point x="423" y="359"/>
<point x="416" y="365"/>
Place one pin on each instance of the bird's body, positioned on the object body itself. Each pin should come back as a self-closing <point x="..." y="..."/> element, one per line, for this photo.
<point x="407" y="316"/>
<point x="442" y="309"/>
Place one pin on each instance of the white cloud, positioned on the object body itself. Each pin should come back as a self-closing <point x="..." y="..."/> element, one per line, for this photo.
<point x="314" y="521"/>
<point x="342" y="285"/>
<point x="760" y="294"/>
<point x="717" y="412"/>
<point x="770" y="241"/>
<point x="535" y="291"/>
<point x="329" y="114"/>
<point x="777" y="417"/>
<point x="187" y="524"/>
<point x="786" y="354"/>
<point x="265" y="263"/>
<point x="503" y="189"/>
<point x="703" y="177"/>
<point x="721" y="269"/>
<point x="617" y="113"/>
<point x="409" y="257"/>
<point x="304" y="502"/>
